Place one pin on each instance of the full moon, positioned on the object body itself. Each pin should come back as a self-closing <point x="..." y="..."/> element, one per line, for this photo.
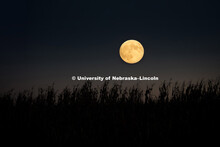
<point x="131" y="51"/>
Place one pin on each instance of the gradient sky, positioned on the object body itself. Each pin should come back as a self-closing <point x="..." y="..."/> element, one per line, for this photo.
<point x="46" y="41"/>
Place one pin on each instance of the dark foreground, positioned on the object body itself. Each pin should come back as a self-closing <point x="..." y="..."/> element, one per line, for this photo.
<point x="112" y="115"/>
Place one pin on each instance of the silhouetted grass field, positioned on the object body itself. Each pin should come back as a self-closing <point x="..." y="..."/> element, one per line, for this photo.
<point x="111" y="115"/>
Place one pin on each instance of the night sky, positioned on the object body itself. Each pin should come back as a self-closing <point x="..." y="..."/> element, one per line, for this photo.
<point x="46" y="41"/>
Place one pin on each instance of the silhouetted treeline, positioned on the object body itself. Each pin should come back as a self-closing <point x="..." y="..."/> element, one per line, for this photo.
<point x="112" y="115"/>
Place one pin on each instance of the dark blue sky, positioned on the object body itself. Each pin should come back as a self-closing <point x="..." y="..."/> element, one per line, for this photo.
<point x="46" y="41"/>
